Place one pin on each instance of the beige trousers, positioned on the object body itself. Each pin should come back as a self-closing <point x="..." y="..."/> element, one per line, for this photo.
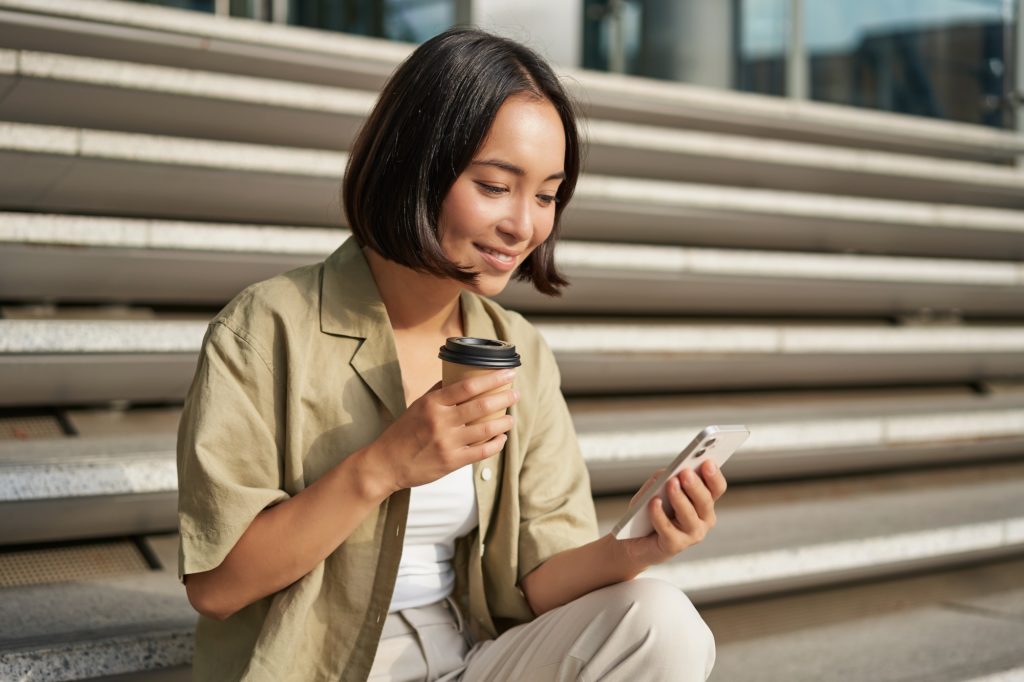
<point x="640" y="630"/>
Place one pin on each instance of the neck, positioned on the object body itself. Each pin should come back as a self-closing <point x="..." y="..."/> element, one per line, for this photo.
<point x="417" y="303"/>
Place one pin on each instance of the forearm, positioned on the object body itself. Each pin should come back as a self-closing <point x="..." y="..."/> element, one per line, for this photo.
<point x="286" y="541"/>
<point x="576" y="572"/>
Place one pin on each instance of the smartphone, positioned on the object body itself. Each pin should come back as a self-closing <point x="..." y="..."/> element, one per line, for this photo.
<point x="716" y="443"/>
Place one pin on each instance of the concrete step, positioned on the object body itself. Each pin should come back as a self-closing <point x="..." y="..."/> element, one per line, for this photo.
<point x="117" y="475"/>
<point x="957" y="625"/>
<point x="158" y="35"/>
<point x="801" y="433"/>
<point x="650" y="356"/>
<point x="142" y="98"/>
<point x="714" y="158"/>
<point x="660" y="212"/>
<point x="128" y="174"/>
<point x="138" y="261"/>
<point x="769" y="539"/>
<point x="131" y="623"/>
<point x="56" y="361"/>
<point x="782" y="536"/>
<point x="630" y="279"/>
<point x="92" y="171"/>
<point x="907" y="623"/>
<point x="179" y="39"/>
<point x="58" y="490"/>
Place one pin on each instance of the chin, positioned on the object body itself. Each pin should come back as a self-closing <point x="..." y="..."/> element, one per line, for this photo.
<point x="489" y="286"/>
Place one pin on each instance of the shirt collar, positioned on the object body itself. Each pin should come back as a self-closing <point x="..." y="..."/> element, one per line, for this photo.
<point x="350" y="302"/>
<point x="350" y="305"/>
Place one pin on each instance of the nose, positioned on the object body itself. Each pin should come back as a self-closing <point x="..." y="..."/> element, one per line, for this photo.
<point x="518" y="223"/>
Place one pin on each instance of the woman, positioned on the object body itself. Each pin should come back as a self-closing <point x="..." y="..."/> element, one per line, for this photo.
<point x="339" y="517"/>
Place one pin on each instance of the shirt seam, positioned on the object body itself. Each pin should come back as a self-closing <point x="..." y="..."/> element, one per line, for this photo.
<point x="244" y="338"/>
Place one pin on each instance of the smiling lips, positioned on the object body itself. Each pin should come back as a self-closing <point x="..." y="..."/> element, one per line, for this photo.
<point x="499" y="259"/>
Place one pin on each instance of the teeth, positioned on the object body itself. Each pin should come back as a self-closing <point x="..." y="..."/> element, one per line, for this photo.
<point x="500" y="256"/>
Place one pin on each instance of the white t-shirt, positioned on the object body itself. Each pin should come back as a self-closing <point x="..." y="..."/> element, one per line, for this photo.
<point x="439" y="513"/>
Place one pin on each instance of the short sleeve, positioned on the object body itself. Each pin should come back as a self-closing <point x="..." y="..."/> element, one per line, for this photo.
<point x="556" y="503"/>
<point x="228" y="449"/>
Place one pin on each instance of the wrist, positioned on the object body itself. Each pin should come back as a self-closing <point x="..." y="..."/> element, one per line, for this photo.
<point x="629" y="566"/>
<point x="372" y="478"/>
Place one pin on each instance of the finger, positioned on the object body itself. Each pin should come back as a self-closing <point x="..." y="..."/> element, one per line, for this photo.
<point x="485" y="430"/>
<point x="674" y="540"/>
<point x="482" y="451"/>
<point x="687" y="519"/>
<point x="699" y="495"/>
<point x="461" y="391"/>
<point x="714" y="479"/>
<point x="485" y="405"/>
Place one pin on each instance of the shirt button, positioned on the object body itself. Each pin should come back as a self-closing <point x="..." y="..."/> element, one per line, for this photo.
<point x="486" y="473"/>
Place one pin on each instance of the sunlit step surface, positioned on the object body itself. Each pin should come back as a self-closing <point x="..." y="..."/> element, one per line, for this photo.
<point x="84" y="361"/>
<point x="53" y="490"/>
<point x="712" y="158"/>
<point x="144" y="98"/>
<point x="772" y="537"/>
<point x="655" y="211"/>
<point x="137" y="261"/>
<point x="191" y="40"/>
<point x="118" y="477"/>
<point x="957" y="625"/>
<point x="85" y="170"/>
<point x="134" y="623"/>
<point x="644" y="356"/>
<point x="801" y="433"/>
<point x="188" y="103"/>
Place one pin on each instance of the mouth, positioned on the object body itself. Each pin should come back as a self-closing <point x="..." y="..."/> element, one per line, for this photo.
<point x="500" y="256"/>
<point x="500" y="260"/>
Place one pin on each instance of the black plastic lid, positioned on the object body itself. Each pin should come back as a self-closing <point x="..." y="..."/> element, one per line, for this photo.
<point x="488" y="353"/>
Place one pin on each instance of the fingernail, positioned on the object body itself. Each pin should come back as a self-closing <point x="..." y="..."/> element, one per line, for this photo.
<point x="508" y="374"/>
<point x="515" y="395"/>
<point x="712" y="467"/>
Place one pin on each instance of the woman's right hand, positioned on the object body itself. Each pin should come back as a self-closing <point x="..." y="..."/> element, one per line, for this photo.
<point x="435" y="435"/>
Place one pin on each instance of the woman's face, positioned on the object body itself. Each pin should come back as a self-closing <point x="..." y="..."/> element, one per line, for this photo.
<point x="502" y="206"/>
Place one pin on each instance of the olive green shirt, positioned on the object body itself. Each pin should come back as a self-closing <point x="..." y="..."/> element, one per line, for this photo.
<point x="295" y="374"/>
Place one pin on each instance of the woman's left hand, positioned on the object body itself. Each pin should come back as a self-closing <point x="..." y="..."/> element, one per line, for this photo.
<point x="692" y="498"/>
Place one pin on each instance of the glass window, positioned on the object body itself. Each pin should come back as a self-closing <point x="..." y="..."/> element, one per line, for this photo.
<point x="411" y="21"/>
<point x="762" y="35"/>
<point x="612" y="35"/>
<point x="940" y="58"/>
<point x="671" y="39"/>
<point x="199" y="5"/>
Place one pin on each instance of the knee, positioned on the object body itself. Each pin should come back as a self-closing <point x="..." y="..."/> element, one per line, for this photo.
<point x="674" y="628"/>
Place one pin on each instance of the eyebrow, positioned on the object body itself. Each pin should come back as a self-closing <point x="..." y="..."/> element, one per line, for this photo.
<point x="512" y="168"/>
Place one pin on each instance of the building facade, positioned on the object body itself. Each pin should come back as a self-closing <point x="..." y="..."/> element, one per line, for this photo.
<point x="946" y="59"/>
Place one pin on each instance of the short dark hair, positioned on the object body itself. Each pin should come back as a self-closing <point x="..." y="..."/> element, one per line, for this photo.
<point x="430" y="120"/>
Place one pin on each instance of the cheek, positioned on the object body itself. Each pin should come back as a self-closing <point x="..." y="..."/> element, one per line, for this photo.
<point x="544" y="225"/>
<point x="462" y="213"/>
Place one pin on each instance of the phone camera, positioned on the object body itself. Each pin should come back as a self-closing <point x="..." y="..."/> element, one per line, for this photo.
<point x="709" y="443"/>
<point x="699" y="453"/>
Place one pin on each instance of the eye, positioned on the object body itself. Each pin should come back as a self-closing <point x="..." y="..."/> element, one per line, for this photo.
<point x="491" y="189"/>
<point x="547" y="199"/>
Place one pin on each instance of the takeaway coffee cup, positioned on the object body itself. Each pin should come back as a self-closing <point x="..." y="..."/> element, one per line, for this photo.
<point x="467" y="356"/>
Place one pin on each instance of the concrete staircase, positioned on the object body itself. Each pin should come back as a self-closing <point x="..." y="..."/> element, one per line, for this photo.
<point x="849" y="284"/>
